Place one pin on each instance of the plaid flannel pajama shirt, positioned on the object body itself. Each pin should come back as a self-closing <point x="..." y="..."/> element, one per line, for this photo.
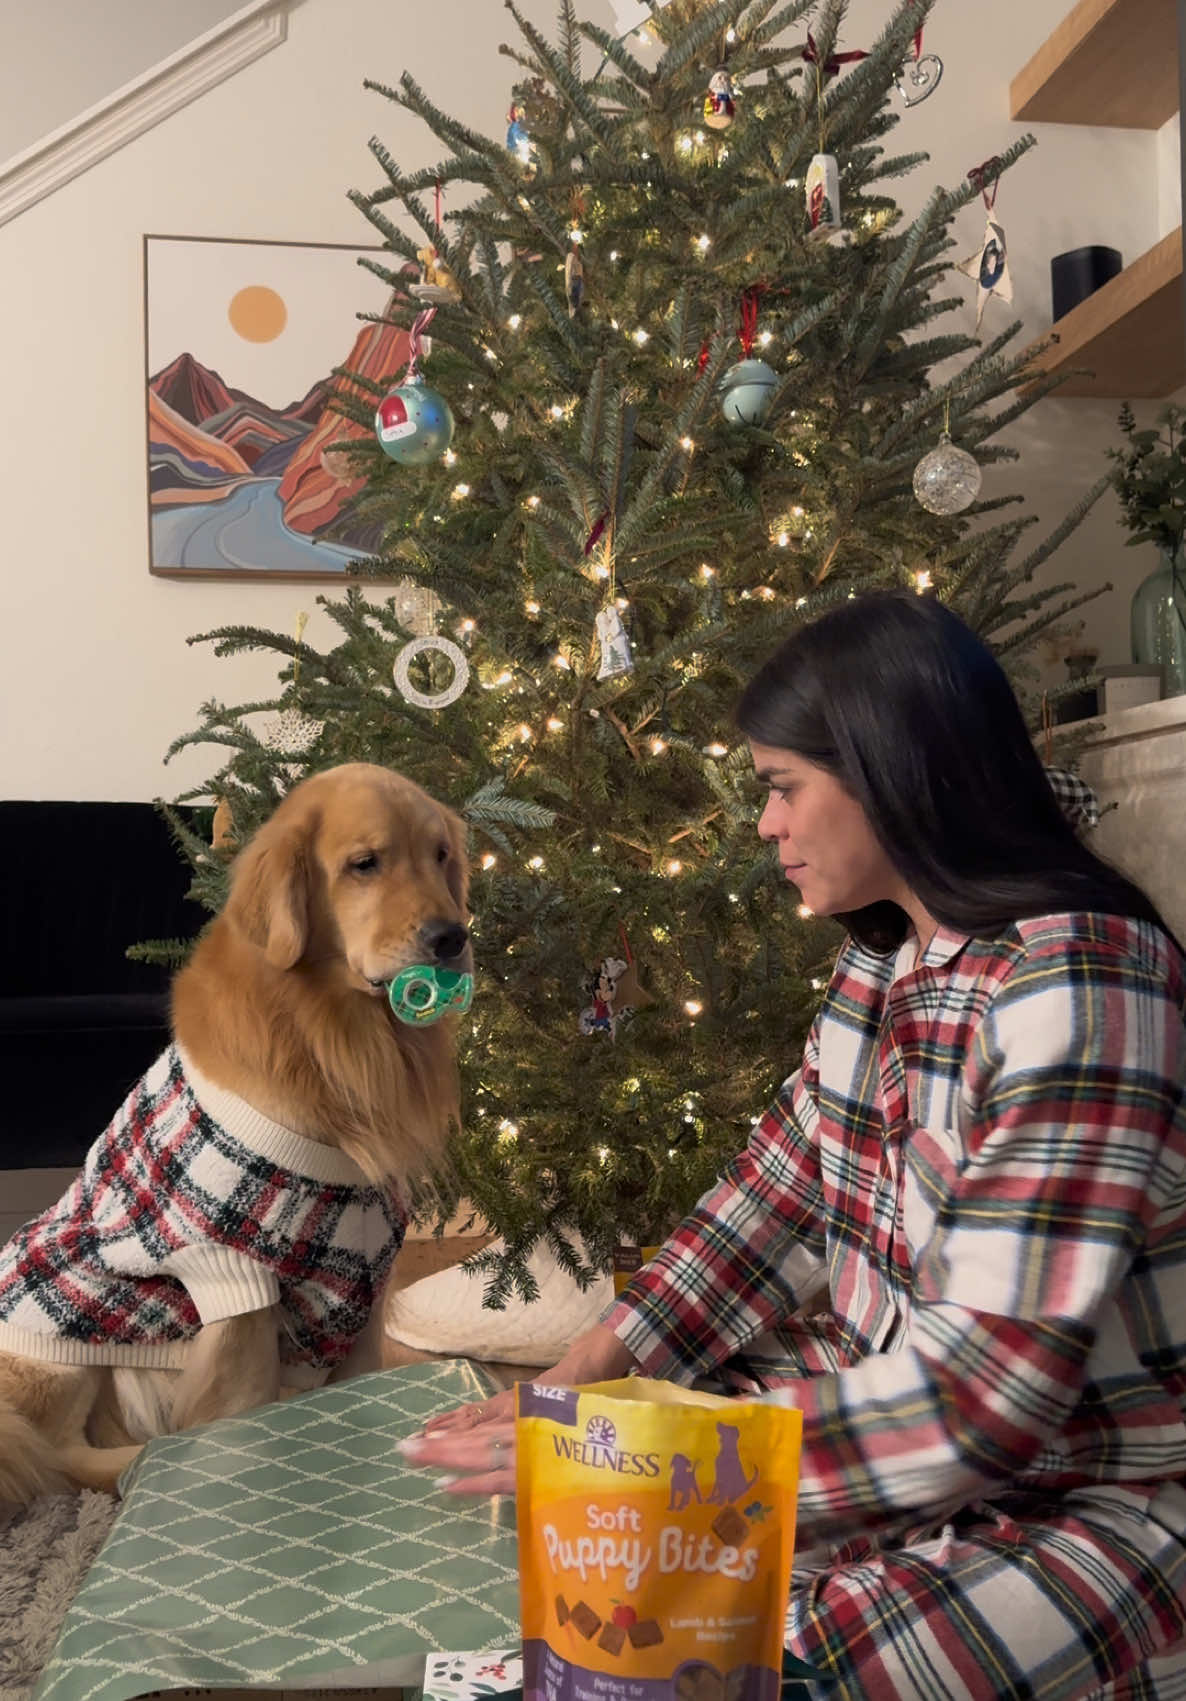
<point x="982" y="1165"/>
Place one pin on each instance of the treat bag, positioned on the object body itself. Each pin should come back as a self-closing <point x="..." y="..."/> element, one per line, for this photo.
<point x="628" y="1260"/>
<point x="656" y="1532"/>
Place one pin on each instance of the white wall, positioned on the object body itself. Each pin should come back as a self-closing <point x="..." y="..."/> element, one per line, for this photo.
<point x="1078" y="186"/>
<point x="62" y="56"/>
<point x="95" y="673"/>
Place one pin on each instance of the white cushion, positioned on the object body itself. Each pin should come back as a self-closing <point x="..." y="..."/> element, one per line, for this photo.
<point x="444" y="1314"/>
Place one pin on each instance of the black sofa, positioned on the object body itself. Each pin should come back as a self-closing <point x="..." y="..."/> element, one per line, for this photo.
<point x="79" y="1023"/>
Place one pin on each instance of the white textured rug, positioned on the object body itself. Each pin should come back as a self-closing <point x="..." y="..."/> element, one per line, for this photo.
<point x="44" y="1555"/>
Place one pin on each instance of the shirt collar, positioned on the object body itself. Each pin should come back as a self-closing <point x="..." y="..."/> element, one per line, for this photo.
<point x="945" y="944"/>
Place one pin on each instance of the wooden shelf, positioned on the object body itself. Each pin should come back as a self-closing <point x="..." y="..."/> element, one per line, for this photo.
<point x="1110" y="62"/>
<point x="1129" y="333"/>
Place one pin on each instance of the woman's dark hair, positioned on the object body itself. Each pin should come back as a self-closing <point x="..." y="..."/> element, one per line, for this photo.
<point x="894" y="695"/>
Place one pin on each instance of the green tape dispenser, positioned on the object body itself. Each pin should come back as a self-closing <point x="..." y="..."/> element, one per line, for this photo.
<point x="422" y="994"/>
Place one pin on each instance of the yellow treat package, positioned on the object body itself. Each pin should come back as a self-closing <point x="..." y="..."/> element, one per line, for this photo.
<point x="656" y="1531"/>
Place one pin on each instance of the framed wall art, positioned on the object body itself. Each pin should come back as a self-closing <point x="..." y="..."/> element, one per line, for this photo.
<point x="241" y="340"/>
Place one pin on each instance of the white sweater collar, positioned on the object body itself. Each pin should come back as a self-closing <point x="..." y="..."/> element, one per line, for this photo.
<point x="268" y="1139"/>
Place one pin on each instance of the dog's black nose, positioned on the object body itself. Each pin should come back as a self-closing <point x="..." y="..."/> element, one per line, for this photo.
<point x="444" y="940"/>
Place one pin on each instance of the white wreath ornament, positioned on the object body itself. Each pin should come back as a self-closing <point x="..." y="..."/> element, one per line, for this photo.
<point x="423" y="699"/>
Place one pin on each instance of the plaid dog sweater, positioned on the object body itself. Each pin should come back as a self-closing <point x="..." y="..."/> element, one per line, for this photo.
<point x="192" y="1207"/>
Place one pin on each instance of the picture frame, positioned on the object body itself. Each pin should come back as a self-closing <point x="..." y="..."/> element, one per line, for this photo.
<point x="246" y="474"/>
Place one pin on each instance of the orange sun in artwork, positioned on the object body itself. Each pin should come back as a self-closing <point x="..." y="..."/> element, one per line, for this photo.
<point x="257" y="313"/>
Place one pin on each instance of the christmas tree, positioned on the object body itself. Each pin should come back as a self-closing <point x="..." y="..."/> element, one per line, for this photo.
<point x="613" y="519"/>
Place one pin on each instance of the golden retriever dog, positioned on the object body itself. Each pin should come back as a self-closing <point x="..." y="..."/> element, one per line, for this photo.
<point x="230" y="1233"/>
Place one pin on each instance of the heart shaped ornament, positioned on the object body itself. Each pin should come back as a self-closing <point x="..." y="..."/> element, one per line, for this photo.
<point x="919" y="78"/>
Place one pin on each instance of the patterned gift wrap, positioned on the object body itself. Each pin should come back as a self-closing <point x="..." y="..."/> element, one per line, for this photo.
<point x="292" y="1549"/>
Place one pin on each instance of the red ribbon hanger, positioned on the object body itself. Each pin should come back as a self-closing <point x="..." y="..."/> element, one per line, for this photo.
<point x="419" y="325"/>
<point x="747" y="329"/>
<point x="833" y="64"/>
<point x="991" y="168"/>
<point x="598" y="529"/>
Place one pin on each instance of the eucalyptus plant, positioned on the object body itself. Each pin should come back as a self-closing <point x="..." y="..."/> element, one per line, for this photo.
<point x="1150" y="479"/>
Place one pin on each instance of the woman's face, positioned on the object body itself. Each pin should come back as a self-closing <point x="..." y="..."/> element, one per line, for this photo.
<point x="825" y="843"/>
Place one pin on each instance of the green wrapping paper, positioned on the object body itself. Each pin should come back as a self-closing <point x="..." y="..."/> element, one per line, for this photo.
<point x="292" y="1548"/>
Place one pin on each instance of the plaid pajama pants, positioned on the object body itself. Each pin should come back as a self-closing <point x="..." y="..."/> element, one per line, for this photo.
<point x="1081" y="1598"/>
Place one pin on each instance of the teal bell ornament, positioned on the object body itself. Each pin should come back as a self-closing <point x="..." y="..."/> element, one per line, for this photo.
<point x="413" y="423"/>
<point x="747" y="392"/>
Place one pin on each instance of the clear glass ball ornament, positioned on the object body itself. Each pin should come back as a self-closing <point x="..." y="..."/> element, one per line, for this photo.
<point x="947" y="480"/>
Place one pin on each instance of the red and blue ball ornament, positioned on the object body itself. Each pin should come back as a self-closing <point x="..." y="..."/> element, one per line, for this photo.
<point x="413" y="423"/>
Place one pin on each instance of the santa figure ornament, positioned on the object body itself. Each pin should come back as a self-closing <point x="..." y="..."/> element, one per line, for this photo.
<point x="720" y="102"/>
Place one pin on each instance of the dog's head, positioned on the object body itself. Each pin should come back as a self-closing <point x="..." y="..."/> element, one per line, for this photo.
<point x="359" y="874"/>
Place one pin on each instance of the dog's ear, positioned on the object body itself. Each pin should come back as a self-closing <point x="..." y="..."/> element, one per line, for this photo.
<point x="458" y="875"/>
<point x="270" y="891"/>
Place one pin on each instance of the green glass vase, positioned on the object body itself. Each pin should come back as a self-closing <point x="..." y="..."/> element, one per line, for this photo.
<point x="1159" y="622"/>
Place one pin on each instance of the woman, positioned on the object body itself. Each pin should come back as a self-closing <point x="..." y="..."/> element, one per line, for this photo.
<point x="981" y="1164"/>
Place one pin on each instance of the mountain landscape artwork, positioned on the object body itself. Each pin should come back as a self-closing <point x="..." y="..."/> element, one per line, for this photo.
<point x="245" y="474"/>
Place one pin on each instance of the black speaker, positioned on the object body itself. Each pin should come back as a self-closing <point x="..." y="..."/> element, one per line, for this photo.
<point x="1075" y="276"/>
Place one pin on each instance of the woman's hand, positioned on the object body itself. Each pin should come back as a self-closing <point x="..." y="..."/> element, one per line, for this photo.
<point x="477" y="1460"/>
<point x="498" y="1408"/>
<point x="478" y="1441"/>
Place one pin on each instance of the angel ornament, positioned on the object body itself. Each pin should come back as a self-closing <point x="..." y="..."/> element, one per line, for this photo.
<point x="615" y="645"/>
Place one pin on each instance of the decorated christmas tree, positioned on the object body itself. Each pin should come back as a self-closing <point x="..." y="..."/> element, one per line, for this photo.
<point x="681" y="375"/>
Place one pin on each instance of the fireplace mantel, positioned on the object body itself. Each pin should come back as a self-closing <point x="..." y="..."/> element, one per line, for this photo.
<point x="1136" y="759"/>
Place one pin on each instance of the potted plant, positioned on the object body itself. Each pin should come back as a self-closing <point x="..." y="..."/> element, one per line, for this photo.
<point x="1150" y="480"/>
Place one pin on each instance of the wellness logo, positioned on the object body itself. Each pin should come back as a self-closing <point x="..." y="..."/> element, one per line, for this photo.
<point x="600" y="1432"/>
<point x="600" y="1450"/>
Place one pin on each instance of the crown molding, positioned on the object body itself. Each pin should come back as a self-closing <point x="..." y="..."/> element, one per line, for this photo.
<point x="147" y="100"/>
